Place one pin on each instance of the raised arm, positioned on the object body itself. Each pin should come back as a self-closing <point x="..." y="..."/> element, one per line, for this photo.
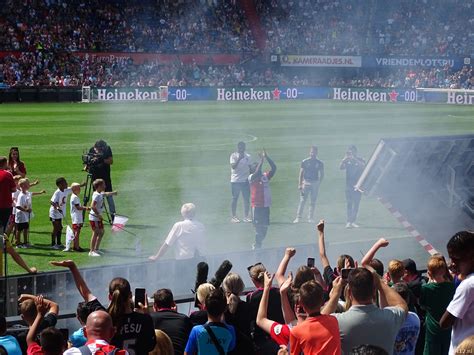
<point x="336" y="291"/>
<point x="80" y="283"/>
<point x="381" y="243"/>
<point x="280" y="274"/>
<point x="52" y="306"/>
<point x="288" y="313"/>
<point x="41" y="309"/>
<point x="273" y="167"/>
<point x="388" y="297"/>
<point x="262" y="321"/>
<point x="322" y="246"/>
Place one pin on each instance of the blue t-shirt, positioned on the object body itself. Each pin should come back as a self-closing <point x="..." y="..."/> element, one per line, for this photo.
<point x="10" y="344"/>
<point x="77" y="338"/>
<point x="405" y="343"/>
<point x="200" y="342"/>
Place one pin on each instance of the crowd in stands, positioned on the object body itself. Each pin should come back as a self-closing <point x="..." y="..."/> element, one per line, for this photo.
<point x="422" y="27"/>
<point x="47" y="69"/>
<point x="354" y="308"/>
<point x="128" y="26"/>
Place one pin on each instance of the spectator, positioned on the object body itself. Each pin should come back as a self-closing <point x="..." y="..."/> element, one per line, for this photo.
<point x="214" y="337"/>
<point x="29" y="305"/>
<point x="460" y="311"/>
<point x="51" y="339"/>
<point x="100" y="331"/>
<point x="434" y="299"/>
<point x="200" y="317"/>
<point x="263" y="342"/>
<point x="7" y="341"/>
<point x="318" y="334"/>
<point x="364" y="323"/>
<point x="166" y="318"/>
<point x="163" y="346"/>
<point x="396" y="271"/>
<point x="237" y="313"/>
<point x="7" y="187"/>
<point x="405" y="343"/>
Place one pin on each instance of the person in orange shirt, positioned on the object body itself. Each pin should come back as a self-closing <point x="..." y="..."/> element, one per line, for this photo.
<point x="318" y="334"/>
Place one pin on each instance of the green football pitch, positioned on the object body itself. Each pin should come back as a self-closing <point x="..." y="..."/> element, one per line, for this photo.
<point x="166" y="154"/>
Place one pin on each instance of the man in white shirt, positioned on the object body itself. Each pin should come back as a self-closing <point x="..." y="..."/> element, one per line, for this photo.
<point x="460" y="311"/>
<point x="187" y="235"/>
<point x="240" y="170"/>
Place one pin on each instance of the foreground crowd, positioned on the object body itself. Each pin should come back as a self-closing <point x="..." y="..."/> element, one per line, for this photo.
<point x="350" y="309"/>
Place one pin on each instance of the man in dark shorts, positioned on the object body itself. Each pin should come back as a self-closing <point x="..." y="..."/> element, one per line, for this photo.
<point x="354" y="166"/>
<point x="7" y="187"/>
<point x="100" y="169"/>
<point x="311" y="176"/>
<point x="261" y="198"/>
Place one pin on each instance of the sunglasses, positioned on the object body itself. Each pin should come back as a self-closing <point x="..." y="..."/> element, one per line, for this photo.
<point x="251" y="266"/>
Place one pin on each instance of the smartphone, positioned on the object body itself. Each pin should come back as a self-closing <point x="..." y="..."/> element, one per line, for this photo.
<point x="310" y="262"/>
<point x="65" y="333"/>
<point x="345" y="273"/>
<point x="139" y="296"/>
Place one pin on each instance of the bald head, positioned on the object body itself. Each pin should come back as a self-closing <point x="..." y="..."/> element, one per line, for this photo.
<point x="99" y="326"/>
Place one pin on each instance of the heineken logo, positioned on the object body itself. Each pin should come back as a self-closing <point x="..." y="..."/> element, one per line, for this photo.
<point x="247" y="94"/>
<point x="366" y="95"/>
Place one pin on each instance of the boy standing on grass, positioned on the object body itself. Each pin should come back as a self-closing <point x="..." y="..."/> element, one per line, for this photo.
<point x="95" y="215"/>
<point x="76" y="214"/>
<point x="23" y="210"/>
<point x="57" y="211"/>
<point x="11" y="223"/>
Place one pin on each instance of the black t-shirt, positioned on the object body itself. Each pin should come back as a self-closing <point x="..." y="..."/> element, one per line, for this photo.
<point x="273" y="311"/>
<point x="354" y="168"/>
<point x="136" y="334"/>
<point x="198" y="317"/>
<point x="312" y="169"/>
<point x="176" y="325"/>
<point x="101" y="170"/>
<point x="49" y="320"/>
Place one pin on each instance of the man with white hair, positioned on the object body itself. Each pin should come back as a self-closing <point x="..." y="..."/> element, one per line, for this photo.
<point x="187" y="235"/>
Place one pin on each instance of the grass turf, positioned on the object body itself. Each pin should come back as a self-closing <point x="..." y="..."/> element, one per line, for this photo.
<point x="168" y="154"/>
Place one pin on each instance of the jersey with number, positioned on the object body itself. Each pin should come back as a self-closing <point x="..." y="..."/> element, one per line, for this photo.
<point x="76" y="214"/>
<point x="23" y="200"/>
<point x="135" y="333"/>
<point x="60" y="198"/>
<point x="98" y="198"/>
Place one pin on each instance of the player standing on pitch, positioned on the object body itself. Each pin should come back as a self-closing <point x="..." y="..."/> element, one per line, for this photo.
<point x="353" y="165"/>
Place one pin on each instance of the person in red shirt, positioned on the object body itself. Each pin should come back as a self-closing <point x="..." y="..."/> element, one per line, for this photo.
<point x="261" y="197"/>
<point x="318" y="334"/>
<point x="52" y="341"/>
<point x="7" y="186"/>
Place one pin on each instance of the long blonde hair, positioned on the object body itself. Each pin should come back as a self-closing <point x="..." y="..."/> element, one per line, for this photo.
<point x="233" y="287"/>
<point x="164" y="345"/>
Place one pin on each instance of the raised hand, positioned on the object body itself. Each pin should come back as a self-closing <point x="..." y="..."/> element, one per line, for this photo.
<point x="320" y="226"/>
